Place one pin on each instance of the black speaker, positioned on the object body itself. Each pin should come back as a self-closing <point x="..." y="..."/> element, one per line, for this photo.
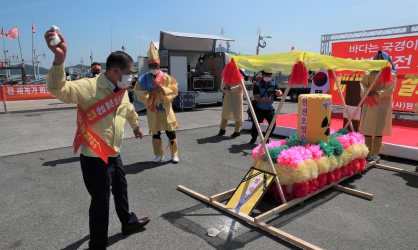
<point x="199" y="83"/>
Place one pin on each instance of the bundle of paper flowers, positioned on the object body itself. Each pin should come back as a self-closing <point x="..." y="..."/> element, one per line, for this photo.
<point x="303" y="168"/>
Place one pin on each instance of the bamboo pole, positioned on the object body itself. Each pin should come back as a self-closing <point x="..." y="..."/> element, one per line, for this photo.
<point x="222" y="195"/>
<point x="250" y="220"/>
<point x="217" y="204"/>
<point x="257" y="124"/>
<point x="287" y="237"/>
<point x="343" y="100"/>
<point x="396" y="169"/>
<point x="286" y="92"/>
<point x="275" y="211"/>
<point x="353" y="192"/>
<point x="283" y="98"/>
<point x="4" y="100"/>
<point x="363" y="98"/>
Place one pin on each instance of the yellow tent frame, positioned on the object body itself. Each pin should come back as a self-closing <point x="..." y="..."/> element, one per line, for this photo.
<point x="284" y="62"/>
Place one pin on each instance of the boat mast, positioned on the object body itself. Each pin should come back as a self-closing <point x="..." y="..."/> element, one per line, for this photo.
<point x="33" y="50"/>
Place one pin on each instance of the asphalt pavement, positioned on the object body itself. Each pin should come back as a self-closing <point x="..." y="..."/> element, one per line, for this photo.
<point x="44" y="202"/>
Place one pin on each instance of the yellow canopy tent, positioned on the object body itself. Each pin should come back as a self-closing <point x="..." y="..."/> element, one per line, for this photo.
<point x="284" y="62"/>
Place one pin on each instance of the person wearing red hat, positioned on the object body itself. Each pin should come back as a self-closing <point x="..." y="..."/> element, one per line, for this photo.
<point x="156" y="90"/>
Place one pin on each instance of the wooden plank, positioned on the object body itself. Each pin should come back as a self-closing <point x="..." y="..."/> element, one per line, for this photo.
<point x="396" y="169"/>
<point x="222" y="195"/>
<point x="342" y="99"/>
<point x="232" y="212"/>
<point x="353" y="192"/>
<point x="287" y="237"/>
<point x="193" y="193"/>
<point x="264" y="139"/>
<point x="273" y="212"/>
<point x="363" y="98"/>
<point x="217" y="204"/>
<point x="263" y="226"/>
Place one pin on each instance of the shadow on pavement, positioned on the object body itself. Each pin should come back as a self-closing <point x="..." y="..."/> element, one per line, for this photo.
<point x="77" y="245"/>
<point x="179" y="219"/>
<point x="213" y="139"/>
<point x="112" y="240"/>
<point x="138" y="167"/>
<point x="54" y="163"/>
<point x="411" y="180"/>
<point x="245" y="148"/>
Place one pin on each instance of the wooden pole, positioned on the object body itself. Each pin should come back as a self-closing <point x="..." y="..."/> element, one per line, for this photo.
<point x="270" y="128"/>
<point x="4" y="100"/>
<point x="21" y="56"/>
<point x="287" y="237"/>
<point x="342" y="99"/>
<point x="396" y="169"/>
<point x="279" y="108"/>
<point x="363" y="98"/>
<point x="353" y="192"/>
<point x="222" y="195"/>
<point x="257" y="124"/>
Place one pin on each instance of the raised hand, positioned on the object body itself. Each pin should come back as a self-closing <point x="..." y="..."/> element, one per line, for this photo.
<point x="60" y="51"/>
<point x="156" y="89"/>
<point x="279" y="93"/>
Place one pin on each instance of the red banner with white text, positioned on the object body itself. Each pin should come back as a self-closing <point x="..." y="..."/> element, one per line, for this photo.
<point x="24" y="92"/>
<point x="404" y="54"/>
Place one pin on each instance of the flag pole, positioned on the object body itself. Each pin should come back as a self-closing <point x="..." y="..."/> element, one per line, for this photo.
<point x="5" y="57"/>
<point x="20" y="47"/>
<point x="33" y="50"/>
<point x="25" y="81"/>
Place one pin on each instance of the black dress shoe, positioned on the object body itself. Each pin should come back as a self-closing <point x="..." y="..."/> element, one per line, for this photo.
<point x="140" y="224"/>
<point x="235" y="134"/>
<point x="253" y="140"/>
<point x="221" y="132"/>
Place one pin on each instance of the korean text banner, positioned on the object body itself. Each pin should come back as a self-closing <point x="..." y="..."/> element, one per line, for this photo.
<point x="404" y="54"/>
<point x="402" y="50"/>
<point x="24" y="92"/>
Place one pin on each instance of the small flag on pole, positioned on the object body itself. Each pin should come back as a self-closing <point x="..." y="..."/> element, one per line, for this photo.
<point x="12" y="33"/>
<point x="33" y="28"/>
<point x="1" y="33"/>
<point x="293" y="47"/>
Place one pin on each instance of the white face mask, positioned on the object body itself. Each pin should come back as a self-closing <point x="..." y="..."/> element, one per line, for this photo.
<point x="154" y="71"/>
<point x="124" y="83"/>
<point x="201" y="61"/>
<point x="266" y="79"/>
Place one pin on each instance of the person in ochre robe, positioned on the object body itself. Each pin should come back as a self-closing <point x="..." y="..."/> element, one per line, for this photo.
<point x="376" y="116"/>
<point x="232" y="106"/>
<point x="156" y="90"/>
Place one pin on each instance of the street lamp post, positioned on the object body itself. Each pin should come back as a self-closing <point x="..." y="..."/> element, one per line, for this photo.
<point x="261" y="38"/>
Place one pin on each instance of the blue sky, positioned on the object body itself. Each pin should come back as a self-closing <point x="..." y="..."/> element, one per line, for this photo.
<point x="88" y="25"/>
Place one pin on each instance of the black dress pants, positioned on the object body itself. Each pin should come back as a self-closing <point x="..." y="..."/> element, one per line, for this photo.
<point x="101" y="179"/>
<point x="261" y="115"/>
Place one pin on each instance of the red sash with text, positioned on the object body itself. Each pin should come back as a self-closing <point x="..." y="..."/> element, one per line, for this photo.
<point x="93" y="114"/>
<point x="157" y="80"/>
